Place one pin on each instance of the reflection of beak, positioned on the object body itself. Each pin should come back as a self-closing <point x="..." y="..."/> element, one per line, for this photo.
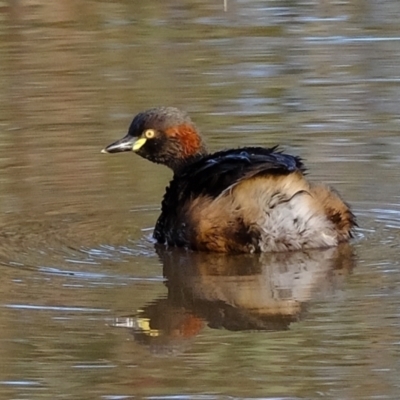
<point x="127" y="143"/>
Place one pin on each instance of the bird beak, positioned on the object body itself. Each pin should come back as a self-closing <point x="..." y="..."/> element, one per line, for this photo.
<point x="127" y="143"/>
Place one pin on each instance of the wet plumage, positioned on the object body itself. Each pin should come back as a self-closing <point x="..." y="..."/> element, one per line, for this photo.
<point x="248" y="199"/>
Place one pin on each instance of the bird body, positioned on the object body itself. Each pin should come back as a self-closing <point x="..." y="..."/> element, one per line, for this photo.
<point x="243" y="200"/>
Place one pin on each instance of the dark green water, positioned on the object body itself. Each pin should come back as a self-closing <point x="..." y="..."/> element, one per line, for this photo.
<point x="89" y="308"/>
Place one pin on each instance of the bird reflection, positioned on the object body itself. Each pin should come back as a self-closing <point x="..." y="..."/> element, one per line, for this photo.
<point x="263" y="292"/>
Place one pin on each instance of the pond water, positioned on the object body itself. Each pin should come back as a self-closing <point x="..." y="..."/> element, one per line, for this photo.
<point x="90" y="308"/>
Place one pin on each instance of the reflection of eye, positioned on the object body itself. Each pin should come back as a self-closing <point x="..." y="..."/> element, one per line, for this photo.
<point x="150" y="133"/>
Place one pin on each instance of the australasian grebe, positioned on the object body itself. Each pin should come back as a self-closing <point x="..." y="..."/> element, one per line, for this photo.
<point x="250" y="199"/>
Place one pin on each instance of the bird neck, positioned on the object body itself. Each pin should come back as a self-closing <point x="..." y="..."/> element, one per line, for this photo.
<point x="178" y="165"/>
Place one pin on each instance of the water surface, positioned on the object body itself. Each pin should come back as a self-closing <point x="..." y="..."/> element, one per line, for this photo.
<point x="89" y="307"/>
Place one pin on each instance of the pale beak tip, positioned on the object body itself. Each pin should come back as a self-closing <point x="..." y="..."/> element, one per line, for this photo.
<point x="104" y="151"/>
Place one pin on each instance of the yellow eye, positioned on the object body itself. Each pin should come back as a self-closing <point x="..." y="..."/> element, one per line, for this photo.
<point x="149" y="134"/>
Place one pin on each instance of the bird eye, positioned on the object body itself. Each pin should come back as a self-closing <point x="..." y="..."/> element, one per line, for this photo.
<point x="149" y="134"/>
